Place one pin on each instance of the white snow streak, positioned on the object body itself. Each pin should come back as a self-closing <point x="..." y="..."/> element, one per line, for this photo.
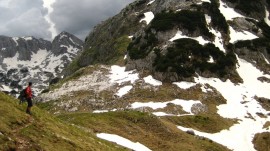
<point x="244" y="35"/>
<point x="15" y="40"/>
<point x="151" y="2"/>
<point x="123" y="142"/>
<point x="266" y="19"/>
<point x="123" y="91"/>
<point x="180" y="35"/>
<point x="228" y="12"/>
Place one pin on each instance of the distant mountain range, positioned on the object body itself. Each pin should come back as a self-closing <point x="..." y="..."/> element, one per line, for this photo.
<point x="24" y="59"/>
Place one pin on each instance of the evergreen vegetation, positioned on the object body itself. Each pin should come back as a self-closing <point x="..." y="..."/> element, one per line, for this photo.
<point x="254" y="44"/>
<point x="140" y="47"/>
<point x="217" y="17"/>
<point x="188" y="56"/>
<point x="190" y="20"/>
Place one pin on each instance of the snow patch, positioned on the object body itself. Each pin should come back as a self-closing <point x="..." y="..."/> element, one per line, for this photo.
<point x="228" y="12"/>
<point x="180" y="35"/>
<point x="244" y="35"/>
<point x="119" y="75"/>
<point x="5" y="88"/>
<point x="199" y="3"/>
<point x="149" y="16"/>
<point x="15" y="40"/>
<point x="123" y="142"/>
<point x="185" y="85"/>
<point x="211" y="60"/>
<point x="101" y="111"/>
<point x="241" y="104"/>
<point x="151" y="2"/>
<point x="152" y="81"/>
<point x="28" y="38"/>
<point x="123" y="91"/>
<point x="239" y="137"/>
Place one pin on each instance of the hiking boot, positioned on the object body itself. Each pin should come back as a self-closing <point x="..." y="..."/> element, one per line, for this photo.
<point x="28" y="112"/>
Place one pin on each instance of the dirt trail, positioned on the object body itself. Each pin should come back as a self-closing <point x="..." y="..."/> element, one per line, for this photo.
<point x="22" y="143"/>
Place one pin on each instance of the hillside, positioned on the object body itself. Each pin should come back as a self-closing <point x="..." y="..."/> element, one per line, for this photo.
<point x="173" y="75"/>
<point x="42" y="131"/>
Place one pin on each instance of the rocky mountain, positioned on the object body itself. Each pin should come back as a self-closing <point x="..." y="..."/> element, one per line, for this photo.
<point x="24" y="59"/>
<point x="195" y="66"/>
<point x="172" y="75"/>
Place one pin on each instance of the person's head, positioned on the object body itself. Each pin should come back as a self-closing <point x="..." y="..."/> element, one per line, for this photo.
<point x="30" y="83"/>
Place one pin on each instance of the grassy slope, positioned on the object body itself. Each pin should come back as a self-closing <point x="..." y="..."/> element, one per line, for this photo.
<point x="154" y="132"/>
<point x="19" y="131"/>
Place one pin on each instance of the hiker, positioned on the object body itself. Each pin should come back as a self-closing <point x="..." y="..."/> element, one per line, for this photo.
<point x="28" y="93"/>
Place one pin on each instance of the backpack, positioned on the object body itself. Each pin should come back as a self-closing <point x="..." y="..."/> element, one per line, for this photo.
<point x="22" y="96"/>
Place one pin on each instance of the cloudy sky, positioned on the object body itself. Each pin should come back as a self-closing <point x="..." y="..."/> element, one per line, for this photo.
<point x="47" y="18"/>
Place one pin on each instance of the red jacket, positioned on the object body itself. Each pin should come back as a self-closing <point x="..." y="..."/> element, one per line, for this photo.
<point x="28" y="92"/>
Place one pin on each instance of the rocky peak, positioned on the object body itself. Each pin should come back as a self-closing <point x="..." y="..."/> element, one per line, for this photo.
<point x="26" y="59"/>
<point x="65" y="39"/>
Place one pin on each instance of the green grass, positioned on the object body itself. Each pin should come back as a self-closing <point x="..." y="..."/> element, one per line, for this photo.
<point x="42" y="131"/>
<point x="145" y="128"/>
<point x="205" y="122"/>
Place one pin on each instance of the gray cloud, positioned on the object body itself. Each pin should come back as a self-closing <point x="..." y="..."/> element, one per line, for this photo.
<point x="24" y="18"/>
<point x="79" y="17"/>
<point x="27" y="17"/>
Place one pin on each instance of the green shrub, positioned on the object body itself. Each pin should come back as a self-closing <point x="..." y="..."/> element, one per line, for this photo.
<point x="187" y="56"/>
<point x="190" y="20"/>
<point x="218" y="20"/>
<point x="254" y="44"/>
<point x="249" y="6"/>
<point x="140" y="47"/>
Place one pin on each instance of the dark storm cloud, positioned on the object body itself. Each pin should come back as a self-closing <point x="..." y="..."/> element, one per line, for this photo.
<point x="78" y="17"/>
<point x="23" y="18"/>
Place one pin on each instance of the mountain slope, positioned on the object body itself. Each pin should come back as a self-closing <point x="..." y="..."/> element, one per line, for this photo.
<point x="19" y="131"/>
<point x="29" y="59"/>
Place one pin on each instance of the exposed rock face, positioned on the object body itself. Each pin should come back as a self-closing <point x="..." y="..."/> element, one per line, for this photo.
<point x="99" y="47"/>
<point x="24" y="46"/>
<point x="25" y="59"/>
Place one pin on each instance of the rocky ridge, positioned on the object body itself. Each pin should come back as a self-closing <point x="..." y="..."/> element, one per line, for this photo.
<point x="25" y="59"/>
